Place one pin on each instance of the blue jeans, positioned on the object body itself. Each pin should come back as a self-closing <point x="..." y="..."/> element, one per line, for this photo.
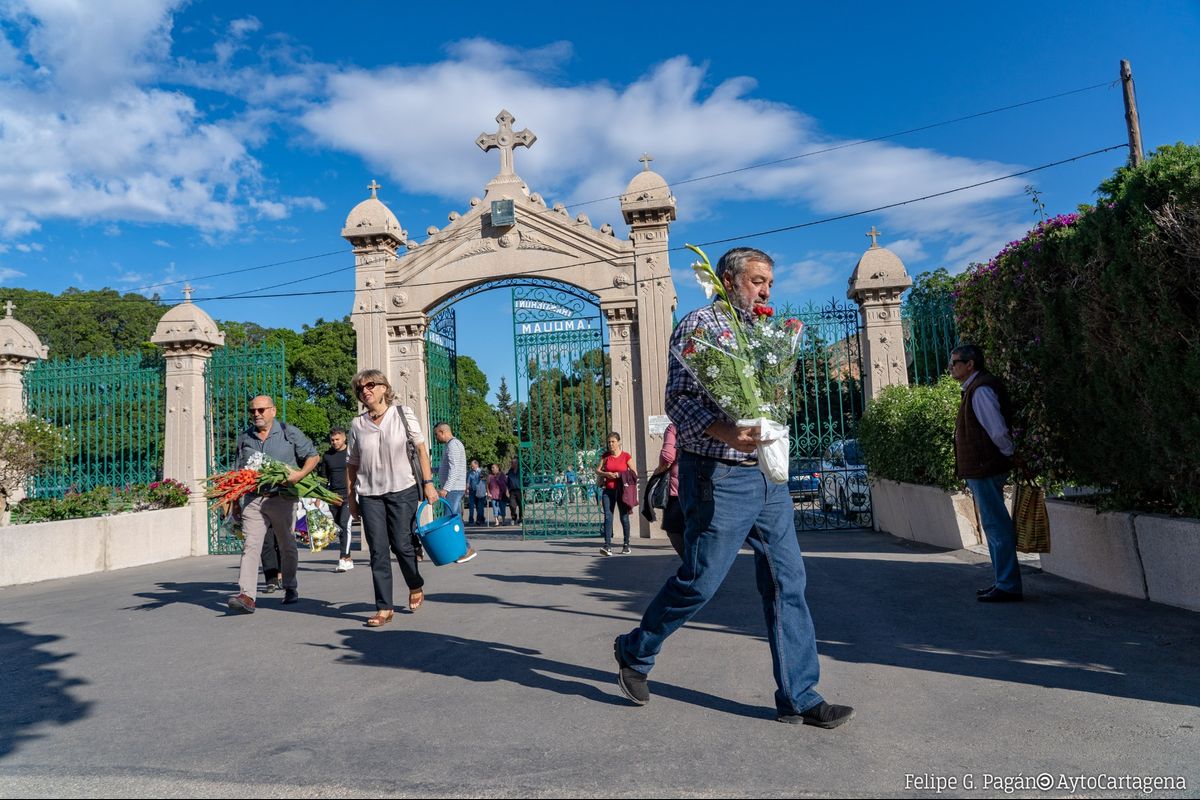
<point x="612" y="503"/>
<point x="998" y="527"/>
<point x="479" y="510"/>
<point x="455" y="500"/>
<point x="721" y="505"/>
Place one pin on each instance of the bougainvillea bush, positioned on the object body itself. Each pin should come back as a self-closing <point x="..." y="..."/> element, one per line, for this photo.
<point x="1093" y="319"/>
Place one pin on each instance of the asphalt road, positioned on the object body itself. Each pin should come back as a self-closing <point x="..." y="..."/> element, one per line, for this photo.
<point x="141" y="683"/>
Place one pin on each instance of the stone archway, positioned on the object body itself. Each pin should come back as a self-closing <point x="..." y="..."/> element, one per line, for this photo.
<point x="511" y="232"/>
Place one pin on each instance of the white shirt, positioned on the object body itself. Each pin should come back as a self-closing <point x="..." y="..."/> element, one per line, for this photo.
<point x="986" y="406"/>
<point x="379" y="451"/>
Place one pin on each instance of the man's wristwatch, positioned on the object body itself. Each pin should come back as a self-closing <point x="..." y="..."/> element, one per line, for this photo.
<point x="427" y="480"/>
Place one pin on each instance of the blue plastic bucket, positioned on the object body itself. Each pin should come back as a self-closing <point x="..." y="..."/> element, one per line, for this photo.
<point x="443" y="538"/>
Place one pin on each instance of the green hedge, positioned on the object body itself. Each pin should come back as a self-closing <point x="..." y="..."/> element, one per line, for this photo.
<point x="907" y="434"/>
<point x="1093" y="319"/>
<point x="102" y="501"/>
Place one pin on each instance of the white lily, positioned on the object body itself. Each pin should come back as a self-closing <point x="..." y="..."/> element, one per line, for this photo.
<point x="706" y="279"/>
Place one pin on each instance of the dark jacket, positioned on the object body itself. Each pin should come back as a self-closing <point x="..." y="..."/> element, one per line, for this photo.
<point x="975" y="454"/>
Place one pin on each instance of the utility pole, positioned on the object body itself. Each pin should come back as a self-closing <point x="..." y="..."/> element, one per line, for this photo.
<point x="1131" y="115"/>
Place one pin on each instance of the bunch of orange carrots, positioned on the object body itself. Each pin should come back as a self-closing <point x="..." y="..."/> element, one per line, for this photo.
<point x="228" y="487"/>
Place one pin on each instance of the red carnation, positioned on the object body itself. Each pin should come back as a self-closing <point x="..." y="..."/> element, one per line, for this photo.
<point x="763" y="311"/>
<point x="792" y="324"/>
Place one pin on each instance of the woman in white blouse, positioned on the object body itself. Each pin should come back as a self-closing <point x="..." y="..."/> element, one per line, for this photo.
<point x="383" y="491"/>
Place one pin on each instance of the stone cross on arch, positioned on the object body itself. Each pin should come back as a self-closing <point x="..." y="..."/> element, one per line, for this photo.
<point x="874" y="234"/>
<point x="646" y="159"/>
<point x="374" y="187"/>
<point x="8" y="308"/>
<point x="505" y="140"/>
<point x="187" y="293"/>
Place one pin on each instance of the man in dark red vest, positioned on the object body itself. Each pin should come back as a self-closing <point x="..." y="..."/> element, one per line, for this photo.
<point x="983" y="455"/>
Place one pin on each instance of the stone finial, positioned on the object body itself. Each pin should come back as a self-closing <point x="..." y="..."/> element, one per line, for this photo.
<point x="374" y="187"/>
<point x="873" y="235"/>
<point x="187" y="328"/>
<point x="645" y="159"/>
<point x="18" y="343"/>
<point x="505" y="140"/>
<point x="187" y="293"/>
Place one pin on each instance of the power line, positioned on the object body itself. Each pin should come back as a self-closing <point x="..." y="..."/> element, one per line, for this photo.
<point x="860" y="142"/>
<point x="739" y="237"/>
<point x="696" y="179"/>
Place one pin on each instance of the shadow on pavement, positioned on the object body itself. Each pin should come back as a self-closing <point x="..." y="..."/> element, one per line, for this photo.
<point x="32" y="691"/>
<point x="874" y="600"/>
<point x="484" y="662"/>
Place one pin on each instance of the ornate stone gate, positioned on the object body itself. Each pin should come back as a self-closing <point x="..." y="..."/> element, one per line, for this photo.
<point x="511" y="232"/>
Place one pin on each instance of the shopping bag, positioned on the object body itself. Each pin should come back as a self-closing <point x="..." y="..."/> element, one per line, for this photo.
<point x="1031" y="520"/>
<point x="318" y="523"/>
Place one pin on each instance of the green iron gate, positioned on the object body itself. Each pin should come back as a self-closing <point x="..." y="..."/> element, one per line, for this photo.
<point x="112" y="409"/>
<point x="827" y="475"/>
<point x="562" y="408"/>
<point x="232" y="378"/>
<point x="441" y="370"/>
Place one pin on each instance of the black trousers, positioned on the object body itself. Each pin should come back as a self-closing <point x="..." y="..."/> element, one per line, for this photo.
<point x="270" y="558"/>
<point x="341" y="517"/>
<point x="387" y="522"/>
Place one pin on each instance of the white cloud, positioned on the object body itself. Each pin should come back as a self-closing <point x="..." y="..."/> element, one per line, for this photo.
<point x="30" y="247"/>
<point x="85" y="137"/>
<point x="161" y="243"/>
<point x="8" y="273"/>
<point x="418" y="123"/>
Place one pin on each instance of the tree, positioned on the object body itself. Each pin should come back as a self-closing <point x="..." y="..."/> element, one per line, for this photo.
<point x="480" y="425"/>
<point x="92" y="323"/>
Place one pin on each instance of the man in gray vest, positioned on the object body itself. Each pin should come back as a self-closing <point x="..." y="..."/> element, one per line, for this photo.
<point x="263" y="510"/>
<point x="983" y="456"/>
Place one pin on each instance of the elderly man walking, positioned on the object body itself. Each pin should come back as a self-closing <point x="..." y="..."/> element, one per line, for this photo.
<point x="983" y="456"/>
<point x="269" y="509"/>
<point x="452" y="474"/>
<point x="727" y="500"/>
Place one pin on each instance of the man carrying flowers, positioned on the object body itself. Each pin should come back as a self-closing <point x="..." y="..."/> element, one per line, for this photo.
<point x="726" y="499"/>
<point x="270" y="508"/>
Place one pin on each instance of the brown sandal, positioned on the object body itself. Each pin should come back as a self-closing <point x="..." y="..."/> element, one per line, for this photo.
<point x="380" y="619"/>
<point x="415" y="599"/>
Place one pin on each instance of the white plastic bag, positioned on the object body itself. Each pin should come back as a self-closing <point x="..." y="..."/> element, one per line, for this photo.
<point x="772" y="448"/>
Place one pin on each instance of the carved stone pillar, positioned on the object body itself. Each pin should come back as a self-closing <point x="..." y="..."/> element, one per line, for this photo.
<point x="19" y="347"/>
<point x="649" y="208"/>
<point x="406" y="363"/>
<point x="877" y="284"/>
<point x="376" y="234"/>
<point x="188" y="336"/>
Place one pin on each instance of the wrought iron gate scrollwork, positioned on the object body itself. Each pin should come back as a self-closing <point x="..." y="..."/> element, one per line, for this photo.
<point x="562" y="380"/>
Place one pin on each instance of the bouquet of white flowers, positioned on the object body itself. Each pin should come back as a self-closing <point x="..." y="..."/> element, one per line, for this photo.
<point x="747" y="368"/>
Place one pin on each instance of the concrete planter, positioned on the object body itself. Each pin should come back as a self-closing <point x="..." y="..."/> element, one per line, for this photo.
<point x="1096" y="549"/>
<point x="925" y="514"/>
<point x="1170" y="552"/>
<point x="47" y="550"/>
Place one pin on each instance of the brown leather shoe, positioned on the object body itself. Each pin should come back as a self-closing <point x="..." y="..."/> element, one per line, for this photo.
<point x="242" y="602"/>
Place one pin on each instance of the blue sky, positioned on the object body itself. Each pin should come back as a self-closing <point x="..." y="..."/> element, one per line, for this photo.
<point x="164" y="140"/>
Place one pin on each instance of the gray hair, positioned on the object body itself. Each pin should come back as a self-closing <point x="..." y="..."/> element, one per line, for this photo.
<point x="734" y="262"/>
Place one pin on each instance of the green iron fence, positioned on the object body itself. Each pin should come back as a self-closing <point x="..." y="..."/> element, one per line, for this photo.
<point x="232" y="378"/>
<point x="112" y="409"/>
<point x="441" y="370"/>
<point x="826" y="474"/>
<point x="562" y="381"/>
<point x="930" y="333"/>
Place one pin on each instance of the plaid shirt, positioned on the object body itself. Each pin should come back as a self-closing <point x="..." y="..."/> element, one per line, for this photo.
<point x="688" y="405"/>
